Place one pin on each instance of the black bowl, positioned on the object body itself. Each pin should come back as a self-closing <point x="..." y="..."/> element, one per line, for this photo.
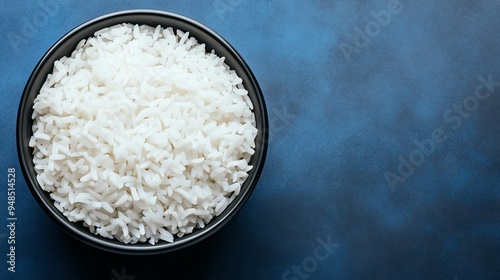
<point x="64" y="47"/>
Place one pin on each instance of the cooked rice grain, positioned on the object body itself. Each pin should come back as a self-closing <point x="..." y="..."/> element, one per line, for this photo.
<point x="142" y="135"/>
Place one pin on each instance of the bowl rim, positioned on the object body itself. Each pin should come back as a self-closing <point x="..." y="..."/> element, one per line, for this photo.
<point x="112" y="245"/>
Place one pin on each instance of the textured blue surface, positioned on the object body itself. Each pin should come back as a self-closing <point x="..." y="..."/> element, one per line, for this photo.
<point x="345" y="109"/>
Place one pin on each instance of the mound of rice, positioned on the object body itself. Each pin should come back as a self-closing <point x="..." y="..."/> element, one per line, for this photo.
<point x="142" y="134"/>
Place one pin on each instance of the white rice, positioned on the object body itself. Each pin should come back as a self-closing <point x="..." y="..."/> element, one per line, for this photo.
<point x="141" y="134"/>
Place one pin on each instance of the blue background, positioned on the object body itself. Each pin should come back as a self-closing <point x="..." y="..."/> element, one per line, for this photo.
<point x="339" y="122"/>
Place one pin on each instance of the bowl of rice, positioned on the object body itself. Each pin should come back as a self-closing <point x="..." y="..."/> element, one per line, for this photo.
<point x="141" y="132"/>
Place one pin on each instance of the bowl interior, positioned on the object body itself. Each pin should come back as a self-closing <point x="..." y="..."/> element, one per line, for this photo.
<point x="64" y="47"/>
